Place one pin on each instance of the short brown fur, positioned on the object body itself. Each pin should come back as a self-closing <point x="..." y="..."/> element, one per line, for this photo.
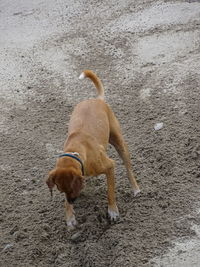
<point x="92" y="126"/>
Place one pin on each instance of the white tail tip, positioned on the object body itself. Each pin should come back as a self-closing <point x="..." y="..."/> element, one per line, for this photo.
<point x="82" y="76"/>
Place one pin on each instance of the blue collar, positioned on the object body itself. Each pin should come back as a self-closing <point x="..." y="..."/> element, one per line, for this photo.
<point x="74" y="157"/>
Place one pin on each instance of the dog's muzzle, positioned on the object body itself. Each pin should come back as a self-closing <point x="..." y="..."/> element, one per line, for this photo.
<point x="71" y="200"/>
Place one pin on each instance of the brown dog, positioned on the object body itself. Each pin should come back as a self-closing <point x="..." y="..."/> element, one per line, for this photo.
<point x="92" y="126"/>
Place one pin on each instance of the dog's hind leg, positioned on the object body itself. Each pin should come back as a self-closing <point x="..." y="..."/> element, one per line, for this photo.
<point x="117" y="140"/>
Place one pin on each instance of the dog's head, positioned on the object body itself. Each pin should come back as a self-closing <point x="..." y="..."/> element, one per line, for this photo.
<point x="67" y="181"/>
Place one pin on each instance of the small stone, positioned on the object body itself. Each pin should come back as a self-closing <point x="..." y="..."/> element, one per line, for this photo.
<point x="75" y="237"/>
<point x="158" y="126"/>
<point x="7" y="246"/>
<point x="194" y="155"/>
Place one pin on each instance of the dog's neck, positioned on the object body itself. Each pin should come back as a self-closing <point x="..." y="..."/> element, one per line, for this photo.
<point x="75" y="156"/>
<point x="66" y="162"/>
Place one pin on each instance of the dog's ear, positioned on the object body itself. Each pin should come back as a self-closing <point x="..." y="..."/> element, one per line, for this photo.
<point x="51" y="179"/>
<point x="77" y="184"/>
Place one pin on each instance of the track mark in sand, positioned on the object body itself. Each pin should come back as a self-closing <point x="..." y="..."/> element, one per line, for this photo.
<point x="185" y="251"/>
<point x="161" y="14"/>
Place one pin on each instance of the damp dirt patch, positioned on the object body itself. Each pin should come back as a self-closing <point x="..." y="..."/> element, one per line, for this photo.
<point x="150" y="71"/>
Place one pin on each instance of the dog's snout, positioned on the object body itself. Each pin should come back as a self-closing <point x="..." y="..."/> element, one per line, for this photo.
<point x="71" y="200"/>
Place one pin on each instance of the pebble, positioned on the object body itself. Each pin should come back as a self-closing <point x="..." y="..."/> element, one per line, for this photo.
<point x="158" y="126"/>
<point x="75" y="237"/>
<point x="7" y="246"/>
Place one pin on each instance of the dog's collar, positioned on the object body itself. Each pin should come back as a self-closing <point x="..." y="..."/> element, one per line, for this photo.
<point x="74" y="156"/>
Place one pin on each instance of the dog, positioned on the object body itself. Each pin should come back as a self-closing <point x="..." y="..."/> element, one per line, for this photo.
<point x="92" y="126"/>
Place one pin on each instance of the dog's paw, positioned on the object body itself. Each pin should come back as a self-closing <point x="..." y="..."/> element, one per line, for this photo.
<point x="71" y="223"/>
<point x="113" y="214"/>
<point x="136" y="192"/>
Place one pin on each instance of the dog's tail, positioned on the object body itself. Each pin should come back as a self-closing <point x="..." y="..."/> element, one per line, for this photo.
<point x="90" y="74"/>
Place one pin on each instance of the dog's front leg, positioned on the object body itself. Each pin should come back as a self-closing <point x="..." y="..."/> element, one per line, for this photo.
<point x="112" y="206"/>
<point x="70" y="215"/>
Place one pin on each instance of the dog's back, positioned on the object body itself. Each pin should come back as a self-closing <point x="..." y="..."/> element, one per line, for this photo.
<point x="91" y="117"/>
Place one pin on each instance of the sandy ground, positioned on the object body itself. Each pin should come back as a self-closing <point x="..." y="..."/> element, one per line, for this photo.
<point x="148" y="56"/>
